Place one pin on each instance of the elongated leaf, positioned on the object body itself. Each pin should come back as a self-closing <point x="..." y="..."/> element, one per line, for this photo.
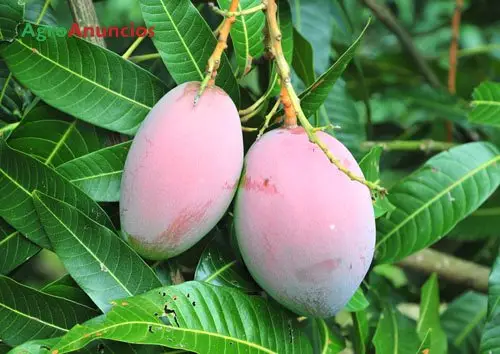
<point x="428" y="320"/>
<point x="316" y="94"/>
<point x="104" y="266"/>
<point x="98" y="173"/>
<point x="463" y="322"/>
<point x="185" y="42"/>
<point x="358" y="302"/>
<point x="246" y="34"/>
<point x="13" y="98"/>
<point x="26" y="313"/>
<point x="20" y="175"/>
<point x="326" y="337"/>
<point x="218" y="265"/>
<point x="303" y="58"/>
<point x="197" y="317"/>
<point x="490" y="340"/>
<point x="431" y="201"/>
<point x="395" y="333"/>
<point x="34" y="9"/>
<point x="15" y="249"/>
<point x="11" y="14"/>
<point x="84" y="80"/>
<point x="486" y="104"/>
<point x="359" y="333"/>
<point x="67" y="288"/>
<point x="53" y="137"/>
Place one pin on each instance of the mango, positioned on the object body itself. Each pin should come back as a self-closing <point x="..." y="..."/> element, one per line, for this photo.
<point x="181" y="172"/>
<point x="306" y="231"/>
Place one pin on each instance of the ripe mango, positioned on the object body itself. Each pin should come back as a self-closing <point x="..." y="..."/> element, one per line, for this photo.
<point x="305" y="230"/>
<point x="181" y="172"/>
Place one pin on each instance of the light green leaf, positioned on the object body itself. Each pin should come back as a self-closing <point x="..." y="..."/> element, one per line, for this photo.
<point x="486" y="104"/>
<point x="246" y="34"/>
<point x="326" y="336"/>
<point x="358" y="302"/>
<point x="185" y="42"/>
<point x="490" y="340"/>
<point x="463" y="322"/>
<point x="20" y="175"/>
<point x="428" y="320"/>
<point x="11" y="14"/>
<point x="53" y="137"/>
<point x="26" y="313"/>
<point x="432" y="200"/>
<point x="98" y="173"/>
<point x="15" y="249"/>
<point x="105" y="89"/>
<point x="395" y="333"/>
<point x="104" y="266"/>
<point x="197" y="317"/>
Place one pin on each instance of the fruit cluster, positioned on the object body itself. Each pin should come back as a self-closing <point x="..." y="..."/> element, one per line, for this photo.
<point x="306" y="232"/>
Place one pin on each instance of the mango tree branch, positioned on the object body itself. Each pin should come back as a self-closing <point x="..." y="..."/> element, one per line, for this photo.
<point x="408" y="145"/>
<point x="382" y="13"/>
<point x="284" y="72"/>
<point x="448" y="267"/>
<point x="214" y="60"/>
<point x="84" y="14"/>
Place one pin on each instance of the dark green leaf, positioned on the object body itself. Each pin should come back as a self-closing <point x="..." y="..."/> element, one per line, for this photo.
<point x="37" y="8"/>
<point x="15" y="249"/>
<point x="490" y="340"/>
<point x="303" y="58"/>
<point x="198" y="317"/>
<point x="360" y="332"/>
<point x="11" y="14"/>
<point x="13" y="98"/>
<point x="428" y="320"/>
<point x="431" y="201"/>
<point x="20" y="175"/>
<point x="326" y="337"/>
<point x="104" y="266"/>
<point x="185" y="42"/>
<point x="463" y="322"/>
<point x="98" y="173"/>
<point x="26" y="313"/>
<point x="67" y="288"/>
<point x="486" y="104"/>
<point x="105" y="89"/>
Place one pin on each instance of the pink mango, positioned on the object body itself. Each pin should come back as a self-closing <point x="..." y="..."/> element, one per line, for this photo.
<point x="181" y="172"/>
<point x="305" y="230"/>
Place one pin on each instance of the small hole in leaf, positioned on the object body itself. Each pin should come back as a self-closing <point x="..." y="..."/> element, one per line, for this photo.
<point x="194" y="303"/>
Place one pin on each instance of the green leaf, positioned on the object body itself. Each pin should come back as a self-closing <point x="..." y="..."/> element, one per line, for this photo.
<point x="247" y="34"/>
<point x="67" y="288"/>
<point x="359" y="333"/>
<point x="369" y="164"/>
<point x="34" y="9"/>
<point x="428" y="320"/>
<point x="326" y="337"/>
<point x="99" y="173"/>
<point x="313" y="19"/>
<point x="358" y="302"/>
<point x="312" y="98"/>
<point x="15" y="249"/>
<point x="303" y="58"/>
<point x="185" y="42"/>
<point x="53" y="137"/>
<point x="463" y="322"/>
<point x="395" y="333"/>
<point x="13" y="98"/>
<point x="197" y="317"/>
<point x="432" y="200"/>
<point x="104" y="266"/>
<point x="11" y="14"/>
<point x="26" y="313"/>
<point x="486" y="104"/>
<point x="490" y="340"/>
<point x="20" y="175"/>
<point x="218" y="265"/>
<point x="104" y="89"/>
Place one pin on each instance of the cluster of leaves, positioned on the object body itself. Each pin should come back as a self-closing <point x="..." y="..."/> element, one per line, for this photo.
<point x="70" y="108"/>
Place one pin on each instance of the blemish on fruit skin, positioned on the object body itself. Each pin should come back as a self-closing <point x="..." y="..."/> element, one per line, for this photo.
<point x="264" y="186"/>
<point x="318" y="270"/>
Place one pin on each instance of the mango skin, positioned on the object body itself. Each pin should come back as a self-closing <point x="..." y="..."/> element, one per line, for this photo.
<point x="181" y="172"/>
<point x="305" y="231"/>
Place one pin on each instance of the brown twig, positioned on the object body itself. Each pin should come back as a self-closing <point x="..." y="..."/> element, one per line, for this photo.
<point x="452" y="73"/>
<point x="448" y="267"/>
<point x="214" y="60"/>
<point x="385" y="16"/>
<point x="283" y="70"/>
<point x="84" y="14"/>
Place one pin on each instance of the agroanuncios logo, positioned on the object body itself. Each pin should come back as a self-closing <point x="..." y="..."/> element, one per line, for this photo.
<point x="41" y="33"/>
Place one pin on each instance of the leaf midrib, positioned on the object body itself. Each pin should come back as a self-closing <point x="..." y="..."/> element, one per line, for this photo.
<point x="36" y="319"/>
<point x="437" y="197"/>
<point x="458" y="340"/>
<point x="61" y="141"/>
<point x="84" y="78"/>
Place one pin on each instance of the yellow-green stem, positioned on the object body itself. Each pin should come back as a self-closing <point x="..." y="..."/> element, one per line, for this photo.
<point x="133" y="47"/>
